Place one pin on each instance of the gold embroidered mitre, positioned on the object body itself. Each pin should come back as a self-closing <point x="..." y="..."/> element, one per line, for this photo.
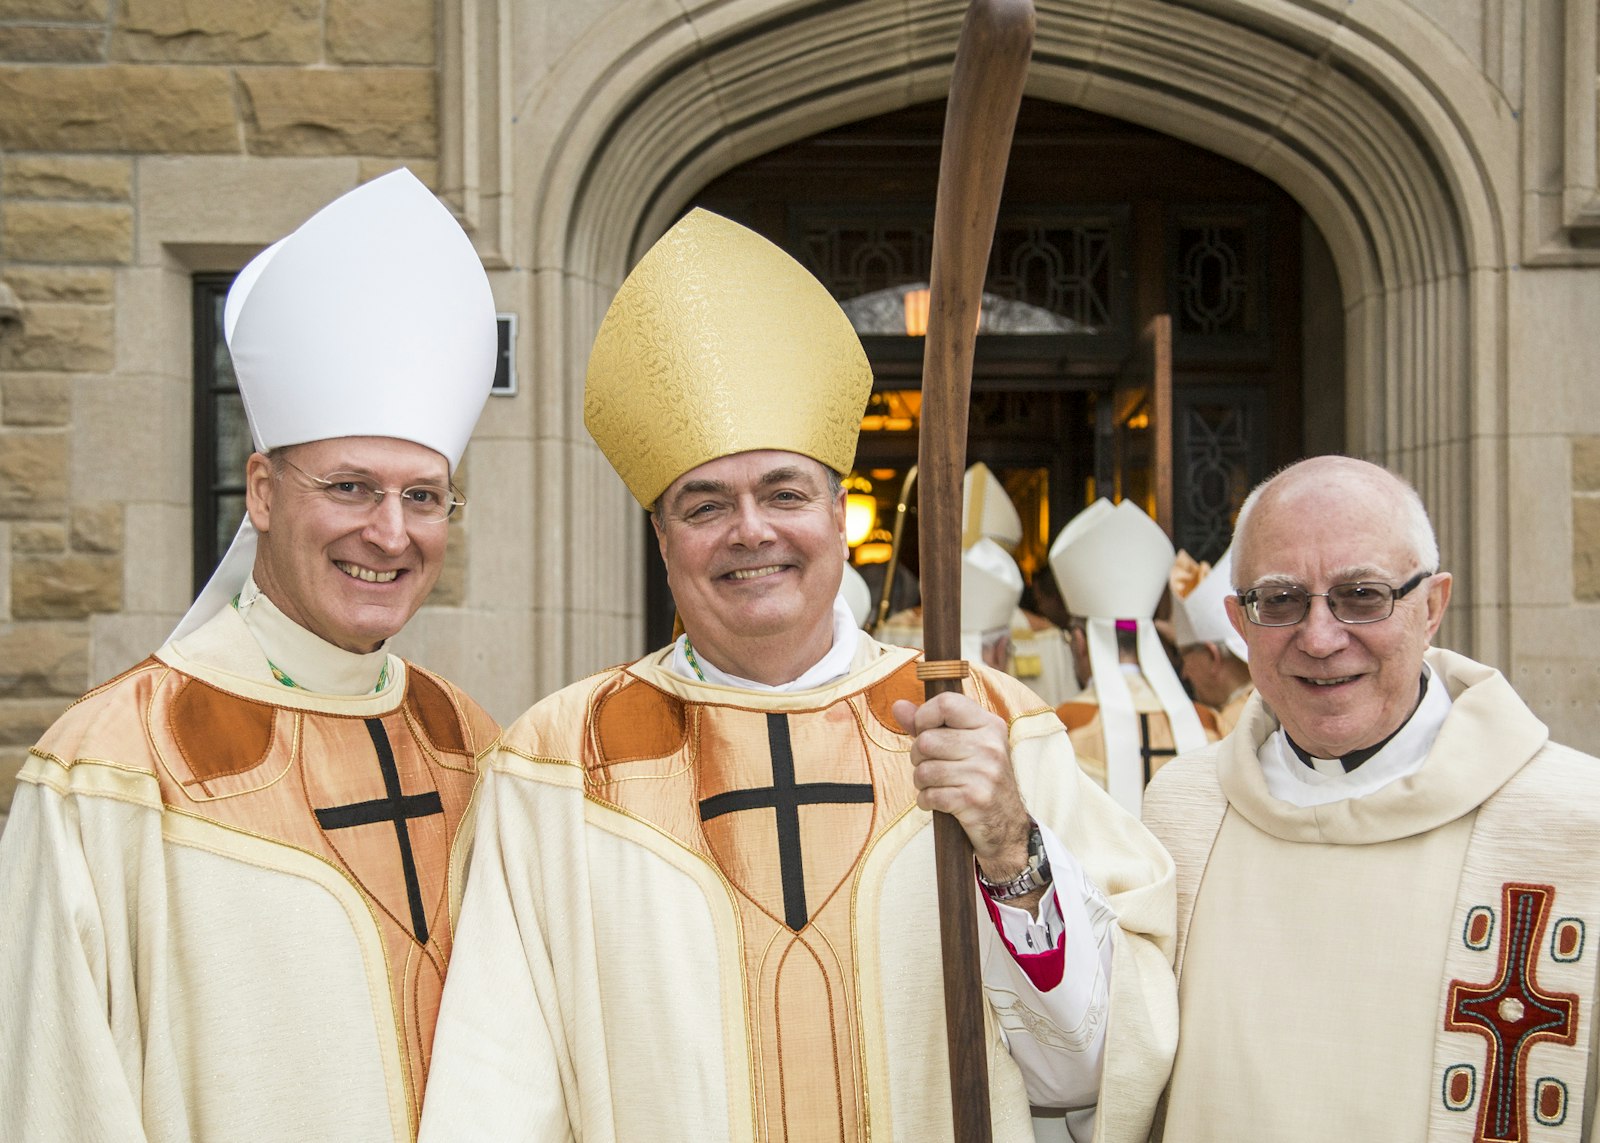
<point x="720" y="343"/>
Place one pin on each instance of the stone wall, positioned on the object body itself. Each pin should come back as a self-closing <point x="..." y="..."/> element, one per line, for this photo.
<point x="89" y="91"/>
<point x="1586" y="519"/>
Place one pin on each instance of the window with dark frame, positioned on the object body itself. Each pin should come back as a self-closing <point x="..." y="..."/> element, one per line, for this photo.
<point x="221" y="433"/>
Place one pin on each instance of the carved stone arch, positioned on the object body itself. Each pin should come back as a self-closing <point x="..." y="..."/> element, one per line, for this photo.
<point x="1368" y="118"/>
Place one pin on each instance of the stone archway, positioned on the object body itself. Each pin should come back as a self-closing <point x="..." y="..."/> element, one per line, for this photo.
<point x="1377" y="129"/>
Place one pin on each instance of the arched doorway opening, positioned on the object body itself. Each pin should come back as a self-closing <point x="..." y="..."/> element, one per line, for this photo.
<point x="1361" y="114"/>
<point x="1105" y="227"/>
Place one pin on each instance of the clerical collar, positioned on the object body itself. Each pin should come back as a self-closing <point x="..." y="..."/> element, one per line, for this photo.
<point x="1322" y="781"/>
<point x="1350" y="761"/>
<point x="299" y="658"/>
<point x="690" y="662"/>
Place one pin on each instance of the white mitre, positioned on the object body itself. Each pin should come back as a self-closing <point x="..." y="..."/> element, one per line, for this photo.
<point x="374" y="318"/>
<point x="1111" y="564"/>
<point x="991" y="586"/>
<point x="1199" y="614"/>
<point x="986" y="511"/>
<point x="857" y="595"/>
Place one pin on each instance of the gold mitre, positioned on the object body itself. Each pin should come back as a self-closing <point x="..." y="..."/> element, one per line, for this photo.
<point x="720" y="343"/>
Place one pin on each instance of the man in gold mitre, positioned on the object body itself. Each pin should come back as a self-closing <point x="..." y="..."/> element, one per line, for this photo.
<point x="701" y="900"/>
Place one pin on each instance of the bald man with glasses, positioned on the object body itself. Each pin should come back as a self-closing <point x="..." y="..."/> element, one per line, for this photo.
<point x="1385" y="873"/>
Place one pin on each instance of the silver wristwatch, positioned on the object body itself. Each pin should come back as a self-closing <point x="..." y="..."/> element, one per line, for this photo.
<point x="1034" y="875"/>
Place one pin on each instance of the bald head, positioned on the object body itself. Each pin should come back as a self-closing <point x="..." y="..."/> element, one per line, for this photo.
<point x="1333" y="522"/>
<point x="1318" y="479"/>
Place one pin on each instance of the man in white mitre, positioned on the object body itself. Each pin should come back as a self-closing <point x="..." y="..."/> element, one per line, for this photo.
<point x="700" y="904"/>
<point x="1133" y="714"/>
<point x="225" y="874"/>
<point x="991" y="587"/>
<point x="1212" y="657"/>
<point x="1037" y="653"/>
<point x="1387" y="875"/>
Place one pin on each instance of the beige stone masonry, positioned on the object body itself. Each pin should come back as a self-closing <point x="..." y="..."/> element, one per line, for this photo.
<point x="1586" y="519"/>
<point x="32" y="44"/>
<point x="70" y="586"/>
<point x="219" y="31"/>
<point x="65" y="338"/>
<point x="451" y="590"/>
<point x="39" y="660"/>
<point x="63" y="10"/>
<point x="24" y="721"/>
<point x="11" y="760"/>
<point x="38" y="537"/>
<point x="33" y="475"/>
<point x="426" y="170"/>
<point x="35" y="400"/>
<point x="60" y="284"/>
<point x="79" y="178"/>
<point x="345" y="112"/>
<point x="381" y="31"/>
<point x="1586" y="464"/>
<point x="97" y="528"/>
<point x="66" y="232"/>
<point x="1586" y="549"/>
<point x="186" y="110"/>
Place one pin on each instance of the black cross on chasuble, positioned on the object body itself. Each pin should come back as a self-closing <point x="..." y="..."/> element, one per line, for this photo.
<point x="1146" y="751"/>
<point x="784" y="797"/>
<point x="392" y="807"/>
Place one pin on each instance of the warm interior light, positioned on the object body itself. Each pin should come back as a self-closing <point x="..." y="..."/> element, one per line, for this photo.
<point x="875" y="550"/>
<point x="916" y="302"/>
<point x="860" y="516"/>
<point x="893" y="411"/>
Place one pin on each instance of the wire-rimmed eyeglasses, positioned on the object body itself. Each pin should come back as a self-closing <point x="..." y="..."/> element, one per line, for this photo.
<point x="1368" y="601"/>
<point x="425" y="503"/>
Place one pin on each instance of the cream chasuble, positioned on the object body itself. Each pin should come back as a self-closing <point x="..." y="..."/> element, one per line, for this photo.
<point x="1408" y="964"/>
<point x="701" y="913"/>
<point x="1081" y="716"/>
<point x="1233" y="710"/>
<point x="1040" y="658"/>
<point x="228" y="899"/>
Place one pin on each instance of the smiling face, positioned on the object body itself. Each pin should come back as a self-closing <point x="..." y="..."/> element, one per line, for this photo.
<point x="351" y="576"/>
<point x="1336" y="687"/>
<point x="754" y="547"/>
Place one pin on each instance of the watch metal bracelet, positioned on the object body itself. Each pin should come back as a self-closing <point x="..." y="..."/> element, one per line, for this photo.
<point x="1034" y="875"/>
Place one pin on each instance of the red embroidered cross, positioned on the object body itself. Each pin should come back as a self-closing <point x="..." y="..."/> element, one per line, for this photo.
<point x="1513" y="1013"/>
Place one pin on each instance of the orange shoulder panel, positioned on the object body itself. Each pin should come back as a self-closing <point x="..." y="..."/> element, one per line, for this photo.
<point x="637" y="721"/>
<point x="1208" y="718"/>
<point x="882" y="695"/>
<point x="452" y="722"/>
<point x="219" y="734"/>
<point x="1077" y="715"/>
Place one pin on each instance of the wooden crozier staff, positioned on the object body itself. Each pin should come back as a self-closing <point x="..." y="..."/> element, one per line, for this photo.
<point x="985" y="92"/>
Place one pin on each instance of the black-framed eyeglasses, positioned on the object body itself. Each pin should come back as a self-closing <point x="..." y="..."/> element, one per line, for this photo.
<point x="1369" y="601"/>
<point x="425" y="503"/>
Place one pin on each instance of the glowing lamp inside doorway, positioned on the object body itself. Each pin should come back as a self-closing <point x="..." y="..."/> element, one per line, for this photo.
<point x="860" y="510"/>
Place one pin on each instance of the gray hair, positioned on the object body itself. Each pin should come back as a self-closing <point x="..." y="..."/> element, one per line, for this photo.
<point x="1420" y="537"/>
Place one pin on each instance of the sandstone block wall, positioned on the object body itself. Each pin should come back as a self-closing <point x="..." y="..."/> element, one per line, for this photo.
<point x="90" y="89"/>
